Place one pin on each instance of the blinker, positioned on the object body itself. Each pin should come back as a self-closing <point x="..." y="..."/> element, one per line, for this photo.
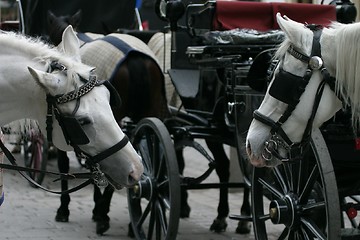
<point x="315" y="63"/>
<point x="73" y="131"/>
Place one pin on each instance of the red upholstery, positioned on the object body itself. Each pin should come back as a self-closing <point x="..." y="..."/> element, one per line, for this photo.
<point x="261" y="16"/>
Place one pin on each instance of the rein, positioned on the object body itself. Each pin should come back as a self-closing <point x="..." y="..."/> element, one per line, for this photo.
<point x="288" y="88"/>
<point x="74" y="136"/>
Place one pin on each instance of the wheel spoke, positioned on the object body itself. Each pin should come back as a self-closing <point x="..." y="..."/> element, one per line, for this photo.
<point x="165" y="201"/>
<point x="280" y="180"/>
<point x="305" y="234"/>
<point x="284" y="234"/>
<point x="309" y="185"/>
<point x="271" y="188"/>
<point x="145" y="214"/>
<point x="291" y="235"/>
<point x="161" y="216"/>
<point x="160" y="172"/>
<point x="312" y="206"/>
<point x="309" y="225"/>
<point x="146" y="159"/>
<point x="151" y="222"/>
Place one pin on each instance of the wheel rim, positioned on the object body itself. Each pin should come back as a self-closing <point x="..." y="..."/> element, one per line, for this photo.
<point x="302" y="196"/>
<point x="154" y="202"/>
<point x="35" y="156"/>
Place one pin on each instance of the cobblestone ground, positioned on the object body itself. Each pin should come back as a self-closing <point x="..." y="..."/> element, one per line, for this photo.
<point x="28" y="213"/>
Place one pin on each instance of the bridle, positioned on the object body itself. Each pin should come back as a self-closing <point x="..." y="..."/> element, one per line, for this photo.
<point x="73" y="133"/>
<point x="288" y="88"/>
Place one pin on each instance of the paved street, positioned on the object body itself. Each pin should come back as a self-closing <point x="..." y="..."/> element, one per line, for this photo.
<point x="28" y="213"/>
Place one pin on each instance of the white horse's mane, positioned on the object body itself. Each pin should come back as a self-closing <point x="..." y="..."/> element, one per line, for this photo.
<point x="346" y="42"/>
<point x="39" y="51"/>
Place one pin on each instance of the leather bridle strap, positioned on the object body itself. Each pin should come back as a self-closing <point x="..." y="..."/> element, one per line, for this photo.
<point x="92" y="160"/>
<point x="292" y="98"/>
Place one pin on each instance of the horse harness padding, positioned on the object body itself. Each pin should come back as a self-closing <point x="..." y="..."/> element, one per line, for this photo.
<point x="73" y="133"/>
<point x="288" y="88"/>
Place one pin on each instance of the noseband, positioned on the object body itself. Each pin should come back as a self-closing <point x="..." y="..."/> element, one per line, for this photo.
<point x="71" y="127"/>
<point x="288" y="88"/>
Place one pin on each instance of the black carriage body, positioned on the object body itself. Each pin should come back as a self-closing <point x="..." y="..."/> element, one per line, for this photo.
<point x="98" y="16"/>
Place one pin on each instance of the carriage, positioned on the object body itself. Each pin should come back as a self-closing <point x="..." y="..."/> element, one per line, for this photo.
<point x="221" y="77"/>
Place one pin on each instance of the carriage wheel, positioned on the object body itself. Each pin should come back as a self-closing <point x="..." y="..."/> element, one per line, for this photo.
<point x="297" y="200"/>
<point x="154" y="203"/>
<point x="36" y="155"/>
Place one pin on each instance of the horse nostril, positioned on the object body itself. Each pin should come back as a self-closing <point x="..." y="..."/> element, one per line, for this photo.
<point x="248" y="148"/>
<point x="132" y="179"/>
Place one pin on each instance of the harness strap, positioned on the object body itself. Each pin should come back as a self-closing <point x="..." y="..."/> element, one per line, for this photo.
<point x="20" y="169"/>
<point x="104" y="154"/>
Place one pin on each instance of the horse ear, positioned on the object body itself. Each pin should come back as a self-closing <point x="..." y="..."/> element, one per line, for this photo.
<point x="292" y="29"/>
<point x="76" y="19"/>
<point x="70" y="43"/>
<point x="50" y="17"/>
<point x="46" y="81"/>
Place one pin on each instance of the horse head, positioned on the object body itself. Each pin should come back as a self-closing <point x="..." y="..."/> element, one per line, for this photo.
<point x="57" y="25"/>
<point x="84" y="116"/>
<point x="300" y="97"/>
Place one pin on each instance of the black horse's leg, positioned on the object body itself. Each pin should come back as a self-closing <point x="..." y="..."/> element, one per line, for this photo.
<point x="223" y="171"/>
<point x="184" y="206"/>
<point x="63" y="212"/>
<point x="102" y="208"/>
<point x="244" y="226"/>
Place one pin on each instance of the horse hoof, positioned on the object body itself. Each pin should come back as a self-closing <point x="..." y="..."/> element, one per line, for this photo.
<point x="185" y="211"/>
<point x="62" y="215"/>
<point x="243" y="227"/>
<point x="16" y="149"/>
<point x="130" y="231"/>
<point x="219" y="225"/>
<point x="102" y="226"/>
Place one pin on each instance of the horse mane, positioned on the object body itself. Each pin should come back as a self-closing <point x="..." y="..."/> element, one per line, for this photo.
<point x="38" y="50"/>
<point x="282" y="49"/>
<point x="346" y="43"/>
<point x="346" y="40"/>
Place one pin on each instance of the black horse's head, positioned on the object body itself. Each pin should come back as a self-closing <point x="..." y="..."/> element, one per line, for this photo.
<point x="56" y="25"/>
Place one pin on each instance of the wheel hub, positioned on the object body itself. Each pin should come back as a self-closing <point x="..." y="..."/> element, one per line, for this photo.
<point x="285" y="211"/>
<point x="144" y="188"/>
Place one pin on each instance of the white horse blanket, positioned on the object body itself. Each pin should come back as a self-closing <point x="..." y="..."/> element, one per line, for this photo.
<point x="108" y="52"/>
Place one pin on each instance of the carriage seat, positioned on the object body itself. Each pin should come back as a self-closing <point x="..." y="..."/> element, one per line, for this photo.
<point x="254" y="25"/>
<point x="261" y="16"/>
<point x="233" y="28"/>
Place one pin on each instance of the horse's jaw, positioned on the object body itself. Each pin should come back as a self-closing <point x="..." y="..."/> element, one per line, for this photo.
<point x="112" y="167"/>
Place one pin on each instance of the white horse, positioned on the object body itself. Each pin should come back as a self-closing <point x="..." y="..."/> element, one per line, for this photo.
<point x="270" y="140"/>
<point x="32" y="71"/>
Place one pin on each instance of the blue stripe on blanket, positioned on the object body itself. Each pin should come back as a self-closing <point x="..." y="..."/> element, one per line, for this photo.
<point x="118" y="43"/>
<point x="2" y="198"/>
<point x="85" y="38"/>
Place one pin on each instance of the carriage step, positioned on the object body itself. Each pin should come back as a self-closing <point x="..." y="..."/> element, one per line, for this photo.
<point x="240" y="217"/>
<point x="350" y="234"/>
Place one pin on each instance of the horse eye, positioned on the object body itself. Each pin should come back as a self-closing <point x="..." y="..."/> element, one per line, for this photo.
<point x="57" y="66"/>
<point x="84" y="121"/>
